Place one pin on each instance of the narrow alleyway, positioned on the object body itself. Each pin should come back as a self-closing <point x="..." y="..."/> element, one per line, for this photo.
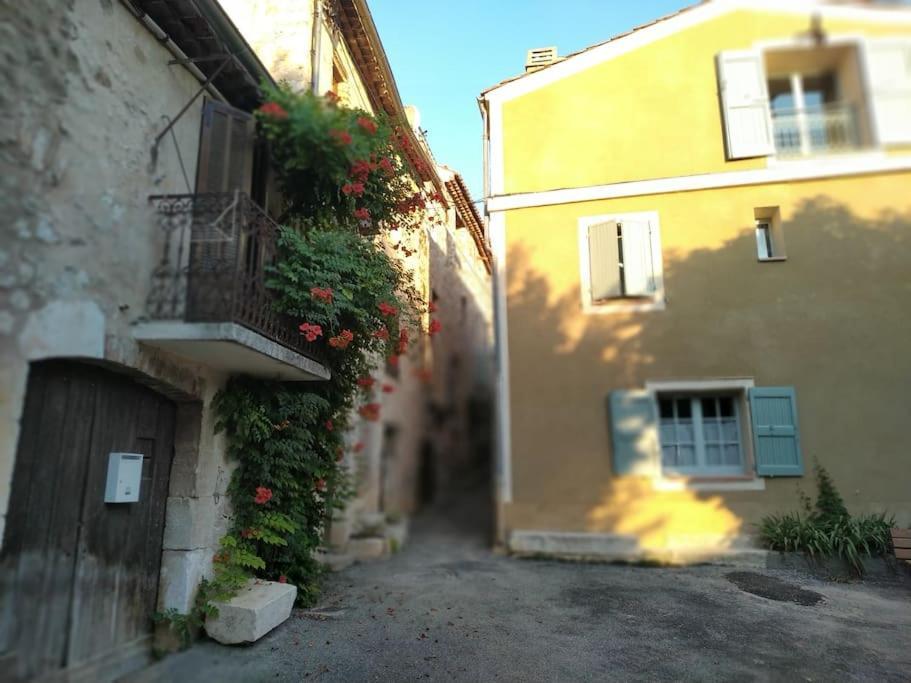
<point x="447" y="608"/>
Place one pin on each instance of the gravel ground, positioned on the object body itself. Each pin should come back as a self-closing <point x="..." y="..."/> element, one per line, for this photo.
<point x="447" y="608"/>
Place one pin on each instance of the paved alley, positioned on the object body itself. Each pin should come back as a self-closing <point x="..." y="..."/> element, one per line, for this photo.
<point x="448" y="609"/>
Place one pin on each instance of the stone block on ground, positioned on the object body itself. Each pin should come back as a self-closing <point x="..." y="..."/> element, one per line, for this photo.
<point x="397" y="535"/>
<point x="367" y="547"/>
<point x="252" y="613"/>
<point x="339" y="533"/>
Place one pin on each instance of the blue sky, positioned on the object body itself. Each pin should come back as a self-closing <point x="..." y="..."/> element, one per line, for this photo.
<point x="445" y="52"/>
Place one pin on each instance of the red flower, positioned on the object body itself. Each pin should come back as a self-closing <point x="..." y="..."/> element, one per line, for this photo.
<point x="274" y="110"/>
<point x="358" y="447"/>
<point x="365" y="382"/>
<point x="320" y="484"/>
<point x="357" y="189"/>
<point x="263" y="495"/>
<point x="247" y="533"/>
<point x="310" y="332"/>
<point x="329" y="425"/>
<point x="341" y="340"/>
<point x="321" y="293"/>
<point x="282" y="578"/>
<point x="388" y="309"/>
<point x="342" y="136"/>
<point x="393" y="361"/>
<point x="388" y="388"/>
<point x="435" y="326"/>
<point x="432" y="307"/>
<point x="381" y="333"/>
<point x="360" y="170"/>
<point x="347" y="188"/>
<point x="370" y="411"/>
<point x="331" y="97"/>
<point x="403" y="341"/>
<point x="339" y="454"/>
<point x="386" y="165"/>
<point x="424" y="374"/>
<point x="368" y="125"/>
<point x="362" y="214"/>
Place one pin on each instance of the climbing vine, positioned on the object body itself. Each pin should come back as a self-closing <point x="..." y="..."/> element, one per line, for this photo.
<point x="341" y="172"/>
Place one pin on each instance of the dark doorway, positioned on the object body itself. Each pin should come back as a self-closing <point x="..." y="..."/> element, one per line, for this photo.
<point x="78" y="576"/>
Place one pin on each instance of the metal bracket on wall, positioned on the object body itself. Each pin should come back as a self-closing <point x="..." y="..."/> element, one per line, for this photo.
<point x="227" y="60"/>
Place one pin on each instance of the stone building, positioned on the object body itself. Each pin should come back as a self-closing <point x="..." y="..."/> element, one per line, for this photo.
<point x="128" y="127"/>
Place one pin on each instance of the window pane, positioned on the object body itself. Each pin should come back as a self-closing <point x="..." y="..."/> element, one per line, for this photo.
<point x="712" y="455"/>
<point x="686" y="456"/>
<point x="685" y="431"/>
<point x="666" y="407"/>
<point x="732" y="455"/>
<point x="683" y="408"/>
<point x="669" y="456"/>
<point x="711" y="430"/>
<point x="668" y="433"/>
<point x="708" y="407"/>
<point x="729" y="431"/>
<point x="727" y="406"/>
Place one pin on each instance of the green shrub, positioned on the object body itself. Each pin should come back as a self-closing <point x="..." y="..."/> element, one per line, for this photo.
<point x="827" y="529"/>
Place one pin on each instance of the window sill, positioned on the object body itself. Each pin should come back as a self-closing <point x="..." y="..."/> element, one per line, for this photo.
<point x="745" y="483"/>
<point x="825" y="159"/>
<point x="773" y="259"/>
<point x="624" y="306"/>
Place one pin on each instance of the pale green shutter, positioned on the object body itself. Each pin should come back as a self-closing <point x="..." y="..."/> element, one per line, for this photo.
<point x="604" y="261"/>
<point x="638" y="265"/>
<point x="776" y="438"/>
<point x="634" y="433"/>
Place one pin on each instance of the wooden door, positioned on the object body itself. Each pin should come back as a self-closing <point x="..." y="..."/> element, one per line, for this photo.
<point x="78" y="576"/>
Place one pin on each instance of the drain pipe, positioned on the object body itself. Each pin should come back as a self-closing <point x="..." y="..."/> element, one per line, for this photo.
<point x="315" y="39"/>
<point x="164" y="39"/>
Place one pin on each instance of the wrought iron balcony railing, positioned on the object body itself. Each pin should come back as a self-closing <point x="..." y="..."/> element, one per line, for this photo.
<point x="818" y="130"/>
<point x="214" y="263"/>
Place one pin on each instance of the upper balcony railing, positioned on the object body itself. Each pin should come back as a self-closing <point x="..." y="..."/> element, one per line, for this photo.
<point x="819" y="130"/>
<point x="214" y="265"/>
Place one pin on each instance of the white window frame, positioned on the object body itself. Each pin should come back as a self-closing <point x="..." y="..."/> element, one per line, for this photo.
<point x="745" y="480"/>
<point x="656" y="301"/>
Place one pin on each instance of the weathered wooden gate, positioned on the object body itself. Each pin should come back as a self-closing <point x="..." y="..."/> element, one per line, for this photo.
<point x="78" y="576"/>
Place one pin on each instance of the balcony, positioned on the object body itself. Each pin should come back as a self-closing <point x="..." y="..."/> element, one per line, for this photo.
<point x="828" y="129"/>
<point x="209" y="302"/>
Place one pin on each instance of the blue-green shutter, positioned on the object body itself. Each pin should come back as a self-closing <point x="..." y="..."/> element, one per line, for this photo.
<point x="776" y="437"/>
<point x="634" y="432"/>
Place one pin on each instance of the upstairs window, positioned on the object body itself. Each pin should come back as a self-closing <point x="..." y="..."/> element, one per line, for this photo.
<point x="810" y="100"/>
<point x="620" y="260"/>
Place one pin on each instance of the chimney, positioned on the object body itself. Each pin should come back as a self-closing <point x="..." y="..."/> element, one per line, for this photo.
<point x="540" y="57"/>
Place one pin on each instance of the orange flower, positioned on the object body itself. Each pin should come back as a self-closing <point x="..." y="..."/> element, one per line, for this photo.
<point x="388" y="309"/>
<point x="263" y="495"/>
<point x="370" y="411"/>
<point x="341" y="340"/>
<point x="381" y="333"/>
<point x="362" y="214"/>
<point x="322" y="293"/>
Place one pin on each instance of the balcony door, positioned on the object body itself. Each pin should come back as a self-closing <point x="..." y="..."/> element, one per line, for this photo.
<point x="218" y="243"/>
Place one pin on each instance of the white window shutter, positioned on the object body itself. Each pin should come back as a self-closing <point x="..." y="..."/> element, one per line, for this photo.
<point x="745" y="104"/>
<point x="604" y="261"/>
<point x="889" y="78"/>
<point x="638" y="264"/>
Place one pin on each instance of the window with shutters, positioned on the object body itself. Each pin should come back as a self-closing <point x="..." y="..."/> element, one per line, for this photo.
<point x="620" y="262"/>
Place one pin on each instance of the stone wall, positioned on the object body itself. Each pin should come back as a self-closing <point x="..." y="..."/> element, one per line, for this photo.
<point x="85" y="90"/>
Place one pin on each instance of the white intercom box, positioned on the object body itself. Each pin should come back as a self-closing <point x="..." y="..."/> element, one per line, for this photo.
<point x="124" y="478"/>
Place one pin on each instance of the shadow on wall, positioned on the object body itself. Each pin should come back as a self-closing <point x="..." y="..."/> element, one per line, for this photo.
<point x="831" y="320"/>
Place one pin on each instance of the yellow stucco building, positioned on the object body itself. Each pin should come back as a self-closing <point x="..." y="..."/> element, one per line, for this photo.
<point x="702" y="242"/>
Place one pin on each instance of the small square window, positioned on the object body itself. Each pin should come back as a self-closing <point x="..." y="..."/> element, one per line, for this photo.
<point x="769" y="234"/>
